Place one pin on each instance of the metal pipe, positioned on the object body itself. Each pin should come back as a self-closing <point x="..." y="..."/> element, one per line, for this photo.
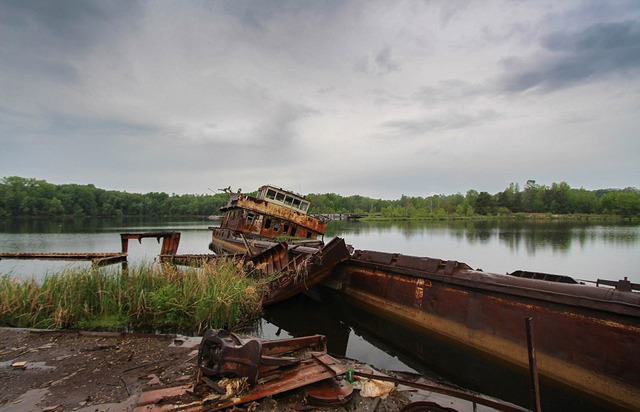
<point x="533" y="369"/>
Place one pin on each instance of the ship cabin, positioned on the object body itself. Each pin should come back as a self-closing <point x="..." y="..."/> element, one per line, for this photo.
<point x="283" y="197"/>
<point x="273" y="213"/>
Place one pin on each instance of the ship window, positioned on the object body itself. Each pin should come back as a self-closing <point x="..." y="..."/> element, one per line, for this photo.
<point x="288" y="200"/>
<point x="308" y="235"/>
<point x="276" y="226"/>
<point x="280" y="197"/>
<point x="286" y="229"/>
<point x="293" y="231"/>
<point x="267" y="223"/>
<point x="296" y="203"/>
<point x="271" y="194"/>
<point x="304" y="206"/>
<point x="250" y="217"/>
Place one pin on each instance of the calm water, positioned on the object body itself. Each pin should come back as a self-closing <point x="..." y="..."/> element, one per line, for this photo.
<point x="583" y="250"/>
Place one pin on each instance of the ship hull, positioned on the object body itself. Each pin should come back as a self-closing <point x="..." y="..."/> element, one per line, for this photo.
<point x="585" y="337"/>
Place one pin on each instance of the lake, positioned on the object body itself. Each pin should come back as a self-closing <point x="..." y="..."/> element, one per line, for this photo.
<point x="583" y="249"/>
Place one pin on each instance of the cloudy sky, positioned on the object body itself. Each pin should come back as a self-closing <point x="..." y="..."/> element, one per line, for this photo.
<point x="377" y="98"/>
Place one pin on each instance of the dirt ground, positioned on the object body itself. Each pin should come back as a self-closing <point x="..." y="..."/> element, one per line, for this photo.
<point x="53" y="371"/>
<point x="87" y="372"/>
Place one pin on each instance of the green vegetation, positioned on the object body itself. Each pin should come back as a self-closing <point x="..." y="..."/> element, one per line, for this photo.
<point x="147" y="297"/>
<point x="30" y="197"/>
<point x="557" y="199"/>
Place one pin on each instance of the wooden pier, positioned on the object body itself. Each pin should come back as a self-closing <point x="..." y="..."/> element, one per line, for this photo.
<point x="170" y="242"/>
<point x="97" y="259"/>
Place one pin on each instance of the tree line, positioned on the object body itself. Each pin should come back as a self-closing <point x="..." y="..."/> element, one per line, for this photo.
<point x="31" y="197"/>
<point x="559" y="198"/>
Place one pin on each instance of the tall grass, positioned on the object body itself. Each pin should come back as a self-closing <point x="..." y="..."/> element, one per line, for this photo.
<point x="146" y="297"/>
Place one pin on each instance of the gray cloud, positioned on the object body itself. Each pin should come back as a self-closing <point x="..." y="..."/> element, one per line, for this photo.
<point x="381" y="64"/>
<point x="449" y="121"/>
<point x="181" y="96"/>
<point x="572" y="58"/>
<point x="384" y="62"/>
<point x="446" y="90"/>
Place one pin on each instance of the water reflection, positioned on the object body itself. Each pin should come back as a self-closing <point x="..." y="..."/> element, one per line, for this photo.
<point x="579" y="248"/>
<point x="358" y="334"/>
<point x="556" y="234"/>
<point x="97" y="225"/>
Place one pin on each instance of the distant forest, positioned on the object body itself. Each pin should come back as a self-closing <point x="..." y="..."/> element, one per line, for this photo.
<point x="31" y="197"/>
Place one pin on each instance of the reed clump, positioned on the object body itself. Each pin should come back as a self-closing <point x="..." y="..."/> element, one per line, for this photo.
<point x="151" y="297"/>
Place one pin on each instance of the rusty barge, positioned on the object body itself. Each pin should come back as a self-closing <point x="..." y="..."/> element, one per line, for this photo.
<point x="587" y="338"/>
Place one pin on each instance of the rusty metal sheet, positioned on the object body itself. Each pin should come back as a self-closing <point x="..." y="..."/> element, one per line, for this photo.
<point x="310" y="371"/>
<point x="412" y="262"/>
<point x="382" y="258"/>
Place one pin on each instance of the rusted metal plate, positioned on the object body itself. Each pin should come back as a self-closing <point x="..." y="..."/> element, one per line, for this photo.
<point x="329" y="392"/>
<point x="377" y="257"/>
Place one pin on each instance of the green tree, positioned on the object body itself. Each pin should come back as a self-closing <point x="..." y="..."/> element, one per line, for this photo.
<point x="483" y="203"/>
<point x="627" y="204"/>
<point x="55" y="207"/>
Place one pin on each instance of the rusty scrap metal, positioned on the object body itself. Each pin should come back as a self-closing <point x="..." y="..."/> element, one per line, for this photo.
<point x="270" y="366"/>
<point x="298" y="269"/>
<point x="224" y="354"/>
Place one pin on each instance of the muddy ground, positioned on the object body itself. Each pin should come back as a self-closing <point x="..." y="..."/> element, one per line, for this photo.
<point x="74" y="371"/>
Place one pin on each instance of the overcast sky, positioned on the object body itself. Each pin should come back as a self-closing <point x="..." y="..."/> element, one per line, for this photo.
<point x="377" y="98"/>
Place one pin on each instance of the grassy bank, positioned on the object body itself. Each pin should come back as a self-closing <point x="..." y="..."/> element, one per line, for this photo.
<point x="146" y="297"/>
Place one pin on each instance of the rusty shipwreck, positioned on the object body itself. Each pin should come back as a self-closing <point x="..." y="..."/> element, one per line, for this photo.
<point x="274" y="213"/>
<point x="587" y="337"/>
<point x="274" y="233"/>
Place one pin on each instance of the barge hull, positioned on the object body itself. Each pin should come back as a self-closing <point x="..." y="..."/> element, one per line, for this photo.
<point x="586" y="338"/>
